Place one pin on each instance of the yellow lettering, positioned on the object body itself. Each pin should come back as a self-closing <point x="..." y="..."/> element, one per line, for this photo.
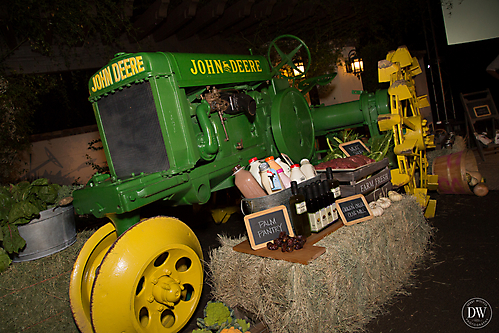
<point x="245" y="63"/>
<point x="257" y="63"/>
<point x="209" y="65"/>
<point x="107" y="73"/>
<point x="94" y="88"/>
<point x="233" y="66"/>
<point x="102" y="79"/>
<point x="252" y="65"/>
<point x="98" y="81"/>
<point x="140" y="64"/>
<point x="240" y="65"/>
<point x="121" y="70"/>
<point x="116" y="73"/>
<point x="126" y="64"/>
<point x="133" y="66"/>
<point x="194" y="69"/>
<point x="201" y="66"/>
<point x="219" y="67"/>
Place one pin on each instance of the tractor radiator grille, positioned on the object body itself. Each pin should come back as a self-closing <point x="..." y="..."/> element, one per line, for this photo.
<point x="132" y="131"/>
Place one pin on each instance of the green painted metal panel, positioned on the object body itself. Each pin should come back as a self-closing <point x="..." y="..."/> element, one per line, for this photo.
<point x="201" y="145"/>
<point x="197" y="69"/>
<point x="292" y="125"/>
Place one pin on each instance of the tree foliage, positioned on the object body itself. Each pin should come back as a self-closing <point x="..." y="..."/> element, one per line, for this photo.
<point x="44" y="24"/>
<point x="67" y="23"/>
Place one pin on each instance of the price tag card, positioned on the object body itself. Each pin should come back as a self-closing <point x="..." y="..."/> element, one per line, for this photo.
<point x="355" y="147"/>
<point x="354" y="209"/>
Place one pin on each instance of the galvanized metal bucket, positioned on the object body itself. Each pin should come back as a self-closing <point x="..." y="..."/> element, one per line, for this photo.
<point x="53" y="232"/>
<point x="250" y="206"/>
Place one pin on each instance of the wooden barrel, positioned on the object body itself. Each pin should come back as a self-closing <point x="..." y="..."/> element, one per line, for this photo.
<point x="451" y="170"/>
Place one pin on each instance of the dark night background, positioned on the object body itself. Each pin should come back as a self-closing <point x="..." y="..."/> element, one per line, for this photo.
<point x="373" y="27"/>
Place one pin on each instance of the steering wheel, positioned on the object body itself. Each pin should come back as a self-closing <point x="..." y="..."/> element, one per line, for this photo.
<point x="287" y="59"/>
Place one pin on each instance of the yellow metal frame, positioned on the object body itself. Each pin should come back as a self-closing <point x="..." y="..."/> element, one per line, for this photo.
<point x="410" y="131"/>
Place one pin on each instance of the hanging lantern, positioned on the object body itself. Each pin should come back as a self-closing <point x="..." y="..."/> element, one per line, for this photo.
<point x="354" y="64"/>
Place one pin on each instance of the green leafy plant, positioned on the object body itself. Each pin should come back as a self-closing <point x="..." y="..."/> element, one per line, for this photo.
<point x="335" y="139"/>
<point x="98" y="168"/>
<point x="21" y="203"/>
<point x="379" y="146"/>
<point x="217" y="317"/>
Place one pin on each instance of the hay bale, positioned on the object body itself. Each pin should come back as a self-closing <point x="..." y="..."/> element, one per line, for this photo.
<point x="365" y="265"/>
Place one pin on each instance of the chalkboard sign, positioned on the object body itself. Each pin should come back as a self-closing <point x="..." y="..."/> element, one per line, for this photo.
<point x="355" y="147"/>
<point x="354" y="209"/>
<point x="482" y="111"/>
<point x="266" y="225"/>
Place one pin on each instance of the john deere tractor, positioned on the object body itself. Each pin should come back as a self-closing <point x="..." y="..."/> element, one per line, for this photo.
<point x="173" y="126"/>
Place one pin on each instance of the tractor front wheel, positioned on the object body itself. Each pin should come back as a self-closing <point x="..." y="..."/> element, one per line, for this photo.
<point x="149" y="280"/>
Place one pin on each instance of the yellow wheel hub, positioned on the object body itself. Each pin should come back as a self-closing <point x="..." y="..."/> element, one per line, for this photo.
<point x="149" y="280"/>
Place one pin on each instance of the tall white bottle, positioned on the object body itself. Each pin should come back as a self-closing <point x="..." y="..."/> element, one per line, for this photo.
<point x="253" y="169"/>
<point x="285" y="167"/>
<point x="307" y="169"/>
<point x="296" y="174"/>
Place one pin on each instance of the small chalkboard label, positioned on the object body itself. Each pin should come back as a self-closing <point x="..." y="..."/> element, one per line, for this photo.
<point x="355" y="147"/>
<point x="481" y="111"/>
<point x="266" y="225"/>
<point x="354" y="209"/>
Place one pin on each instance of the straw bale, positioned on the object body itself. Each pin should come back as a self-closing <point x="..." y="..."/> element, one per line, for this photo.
<point x="364" y="266"/>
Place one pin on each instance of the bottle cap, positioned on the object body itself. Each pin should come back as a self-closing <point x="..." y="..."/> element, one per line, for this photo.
<point x="264" y="166"/>
<point x="295" y="166"/>
<point x="304" y="161"/>
<point x="270" y="158"/>
<point x="253" y="160"/>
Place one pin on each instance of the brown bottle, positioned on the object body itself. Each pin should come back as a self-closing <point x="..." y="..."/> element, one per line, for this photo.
<point x="298" y="212"/>
<point x="246" y="183"/>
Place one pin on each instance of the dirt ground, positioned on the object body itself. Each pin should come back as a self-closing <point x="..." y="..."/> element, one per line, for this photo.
<point x="463" y="266"/>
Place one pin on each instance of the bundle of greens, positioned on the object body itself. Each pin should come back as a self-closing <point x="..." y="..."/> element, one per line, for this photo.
<point x="21" y="203"/>
<point x="219" y="318"/>
<point x="379" y="146"/>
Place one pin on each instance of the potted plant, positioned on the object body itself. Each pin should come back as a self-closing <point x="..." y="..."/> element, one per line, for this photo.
<point x="22" y="206"/>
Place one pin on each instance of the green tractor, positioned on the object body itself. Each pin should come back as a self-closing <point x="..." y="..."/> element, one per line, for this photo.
<point x="172" y="127"/>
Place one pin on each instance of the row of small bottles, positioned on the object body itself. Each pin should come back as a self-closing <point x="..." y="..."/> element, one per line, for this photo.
<point x="271" y="176"/>
<point x="313" y="207"/>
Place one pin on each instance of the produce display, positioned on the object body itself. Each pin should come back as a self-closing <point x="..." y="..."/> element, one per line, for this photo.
<point x="378" y="146"/>
<point x="219" y="318"/>
<point x="287" y="243"/>
<point x="377" y="207"/>
<point x="351" y="162"/>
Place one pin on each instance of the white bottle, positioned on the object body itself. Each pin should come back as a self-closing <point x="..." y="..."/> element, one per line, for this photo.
<point x="286" y="182"/>
<point x="285" y="167"/>
<point x="296" y="174"/>
<point x="253" y="169"/>
<point x="307" y="169"/>
<point x="270" y="180"/>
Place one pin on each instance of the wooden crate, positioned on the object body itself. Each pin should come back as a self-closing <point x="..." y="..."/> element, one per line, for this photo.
<point x="371" y="180"/>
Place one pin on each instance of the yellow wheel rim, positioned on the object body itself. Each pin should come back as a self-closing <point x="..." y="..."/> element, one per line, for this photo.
<point x="150" y="280"/>
<point x="83" y="275"/>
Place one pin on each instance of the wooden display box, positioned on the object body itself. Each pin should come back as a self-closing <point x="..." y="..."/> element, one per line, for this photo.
<point x="357" y="181"/>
